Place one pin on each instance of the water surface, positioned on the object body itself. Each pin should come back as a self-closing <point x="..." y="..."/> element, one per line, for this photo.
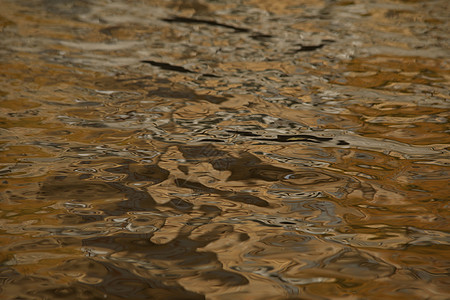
<point x="224" y="149"/>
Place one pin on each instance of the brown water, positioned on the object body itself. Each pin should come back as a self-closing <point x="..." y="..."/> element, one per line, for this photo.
<point x="224" y="149"/>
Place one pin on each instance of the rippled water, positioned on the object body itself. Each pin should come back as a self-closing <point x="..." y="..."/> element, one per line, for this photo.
<point x="224" y="149"/>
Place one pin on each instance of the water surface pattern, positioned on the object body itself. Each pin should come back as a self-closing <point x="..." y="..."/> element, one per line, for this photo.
<point x="224" y="149"/>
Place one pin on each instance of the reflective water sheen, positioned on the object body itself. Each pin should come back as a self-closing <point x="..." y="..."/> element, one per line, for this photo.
<point x="224" y="149"/>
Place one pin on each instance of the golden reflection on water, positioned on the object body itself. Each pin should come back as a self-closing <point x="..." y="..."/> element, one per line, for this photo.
<point x="203" y="149"/>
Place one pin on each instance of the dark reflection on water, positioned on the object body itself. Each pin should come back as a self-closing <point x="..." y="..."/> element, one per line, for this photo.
<point x="224" y="149"/>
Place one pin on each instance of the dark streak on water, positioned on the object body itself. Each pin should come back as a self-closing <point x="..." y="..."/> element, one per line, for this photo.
<point x="207" y="22"/>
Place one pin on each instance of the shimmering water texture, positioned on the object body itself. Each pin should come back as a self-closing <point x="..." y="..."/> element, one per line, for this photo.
<point x="261" y="149"/>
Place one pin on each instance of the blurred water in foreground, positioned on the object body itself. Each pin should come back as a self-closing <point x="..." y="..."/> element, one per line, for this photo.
<point x="224" y="149"/>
